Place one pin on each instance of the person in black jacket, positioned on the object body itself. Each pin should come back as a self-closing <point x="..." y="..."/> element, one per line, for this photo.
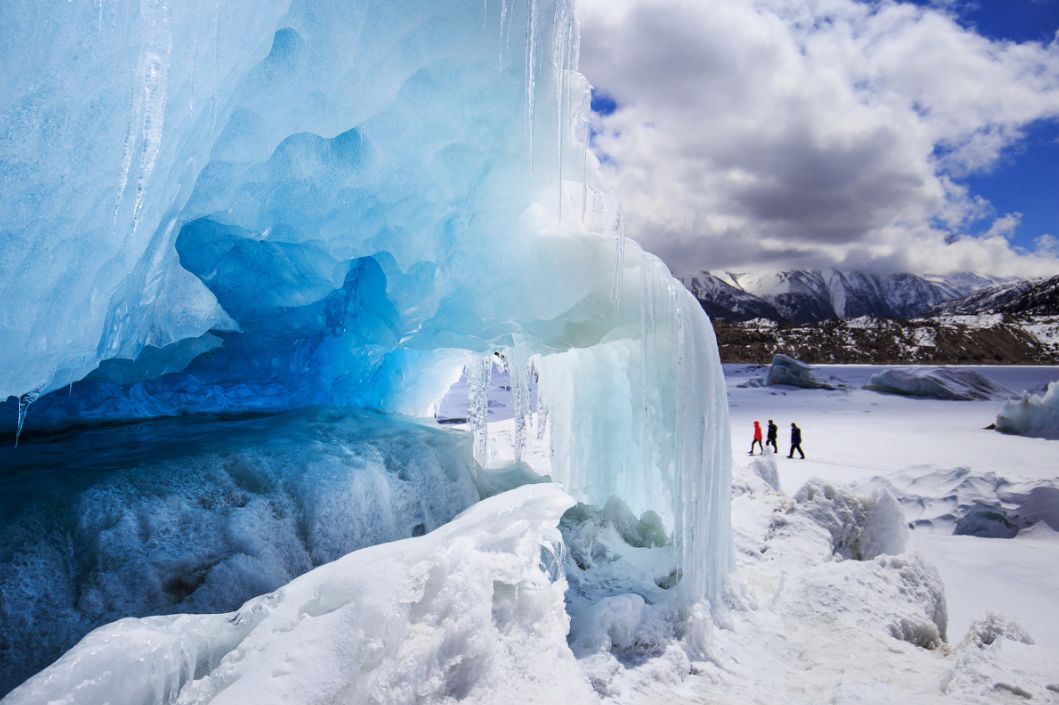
<point x="770" y="438"/>
<point x="796" y="441"/>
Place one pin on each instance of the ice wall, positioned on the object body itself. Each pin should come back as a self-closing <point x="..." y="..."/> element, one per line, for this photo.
<point x="337" y="202"/>
<point x="193" y="515"/>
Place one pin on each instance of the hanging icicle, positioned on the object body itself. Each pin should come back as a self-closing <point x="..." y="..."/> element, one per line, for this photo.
<point x="479" y="374"/>
<point x="23" y="406"/>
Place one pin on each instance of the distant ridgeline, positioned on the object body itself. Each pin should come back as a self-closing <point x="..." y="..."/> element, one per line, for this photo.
<point x="837" y="316"/>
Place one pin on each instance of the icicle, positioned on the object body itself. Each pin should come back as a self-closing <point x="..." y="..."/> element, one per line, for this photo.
<point x="23" y="406"/>
<point x="644" y="293"/>
<point x="531" y="74"/>
<point x="479" y="374"/>
<point x="619" y="260"/>
<point x="542" y="414"/>
<point x="519" y="371"/>
<point x="560" y="58"/>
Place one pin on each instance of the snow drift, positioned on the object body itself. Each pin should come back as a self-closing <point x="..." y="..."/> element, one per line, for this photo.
<point x="1032" y="415"/>
<point x="970" y="503"/>
<point x="937" y="383"/>
<point x="471" y="612"/>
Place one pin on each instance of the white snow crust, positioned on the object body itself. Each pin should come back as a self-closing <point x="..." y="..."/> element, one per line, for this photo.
<point x="471" y="612"/>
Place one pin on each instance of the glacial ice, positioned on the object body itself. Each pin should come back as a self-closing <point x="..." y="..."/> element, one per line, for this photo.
<point x="197" y="516"/>
<point x="786" y="370"/>
<point x="937" y="383"/>
<point x="469" y="612"/>
<point x="1032" y="415"/>
<point x="262" y="207"/>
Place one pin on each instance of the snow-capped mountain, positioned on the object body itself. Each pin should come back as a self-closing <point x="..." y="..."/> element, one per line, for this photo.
<point x="723" y="301"/>
<point x="1018" y="297"/>
<point x="804" y="296"/>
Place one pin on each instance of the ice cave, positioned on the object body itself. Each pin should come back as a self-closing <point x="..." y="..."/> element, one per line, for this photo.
<point x="245" y="248"/>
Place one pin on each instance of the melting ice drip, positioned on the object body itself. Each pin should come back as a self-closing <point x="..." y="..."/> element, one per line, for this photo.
<point x="335" y="204"/>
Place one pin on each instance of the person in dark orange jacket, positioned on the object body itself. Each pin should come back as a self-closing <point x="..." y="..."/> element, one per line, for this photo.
<point x="757" y="439"/>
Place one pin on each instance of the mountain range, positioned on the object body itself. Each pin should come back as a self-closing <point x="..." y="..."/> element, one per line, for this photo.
<point x="842" y="316"/>
<point x="805" y="296"/>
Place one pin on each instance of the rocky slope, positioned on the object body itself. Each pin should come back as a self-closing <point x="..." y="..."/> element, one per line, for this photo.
<point x="980" y="340"/>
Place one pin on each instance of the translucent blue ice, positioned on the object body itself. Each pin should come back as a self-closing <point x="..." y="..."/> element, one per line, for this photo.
<point x="261" y="206"/>
<point x="197" y="516"/>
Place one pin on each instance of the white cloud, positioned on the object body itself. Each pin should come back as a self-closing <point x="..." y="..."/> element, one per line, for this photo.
<point x="795" y="133"/>
<point x="1048" y="244"/>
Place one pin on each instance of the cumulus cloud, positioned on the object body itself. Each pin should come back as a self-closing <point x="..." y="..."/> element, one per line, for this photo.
<point x="802" y="133"/>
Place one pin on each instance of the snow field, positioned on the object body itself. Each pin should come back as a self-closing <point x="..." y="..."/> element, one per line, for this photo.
<point x="937" y="458"/>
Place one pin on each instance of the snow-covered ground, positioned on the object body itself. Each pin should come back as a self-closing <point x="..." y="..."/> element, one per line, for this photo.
<point x="945" y="621"/>
<point x="833" y="598"/>
<point x="855" y="435"/>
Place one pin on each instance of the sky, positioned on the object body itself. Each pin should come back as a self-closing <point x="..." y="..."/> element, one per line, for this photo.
<point x="788" y="134"/>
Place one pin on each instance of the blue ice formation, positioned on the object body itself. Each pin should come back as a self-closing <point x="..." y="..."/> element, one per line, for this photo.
<point x="264" y="206"/>
<point x="189" y="515"/>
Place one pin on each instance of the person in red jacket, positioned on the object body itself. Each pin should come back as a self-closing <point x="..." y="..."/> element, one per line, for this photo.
<point x="757" y="439"/>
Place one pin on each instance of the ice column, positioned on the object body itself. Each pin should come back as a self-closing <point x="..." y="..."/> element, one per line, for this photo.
<point x="643" y="415"/>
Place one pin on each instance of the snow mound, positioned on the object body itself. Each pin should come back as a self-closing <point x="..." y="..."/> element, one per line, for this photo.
<point x="937" y="383"/>
<point x="900" y="595"/>
<point x="861" y="528"/>
<point x="205" y="517"/>
<point x="787" y="371"/>
<point x="990" y="627"/>
<point x="997" y="663"/>
<point x="471" y="612"/>
<point x="766" y="468"/>
<point x="1033" y="415"/>
<point x="973" y="504"/>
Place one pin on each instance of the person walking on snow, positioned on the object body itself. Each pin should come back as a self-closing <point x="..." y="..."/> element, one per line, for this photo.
<point x="796" y="441"/>
<point x="770" y="437"/>
<point x="757" y="439"/>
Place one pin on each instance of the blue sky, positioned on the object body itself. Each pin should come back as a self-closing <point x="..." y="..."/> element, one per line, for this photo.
<point x="1026" y="180"/>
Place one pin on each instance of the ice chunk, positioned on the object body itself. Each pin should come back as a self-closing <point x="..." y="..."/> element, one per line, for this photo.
<point x="938" y="383"/>
<point x="1032" y="415"/>
<point x="464" y="613"/>
<point x="794" y="373"/>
